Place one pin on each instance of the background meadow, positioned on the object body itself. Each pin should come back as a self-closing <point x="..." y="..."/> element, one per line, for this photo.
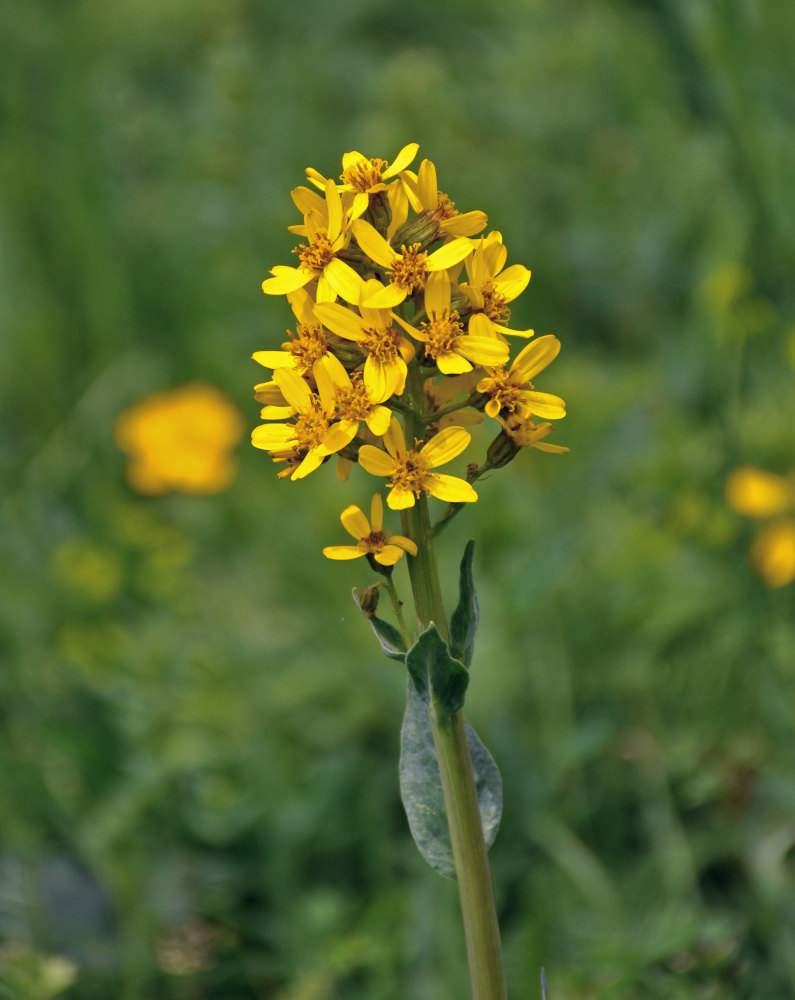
<point x="198" y="742"/>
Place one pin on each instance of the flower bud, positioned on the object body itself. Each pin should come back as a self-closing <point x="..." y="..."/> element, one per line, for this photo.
<point x="502" y="450"/>
<point x="422" y="229"/>
<point x="368" y="600"/>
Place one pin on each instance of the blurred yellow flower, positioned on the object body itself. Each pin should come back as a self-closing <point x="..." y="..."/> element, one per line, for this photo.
<point x="773" y="553"/>
<point x="758" y="493"/>
<point x="180" y="439"/>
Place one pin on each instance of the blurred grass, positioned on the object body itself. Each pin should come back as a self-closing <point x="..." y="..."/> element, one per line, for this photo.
<point x="198" y="792"/>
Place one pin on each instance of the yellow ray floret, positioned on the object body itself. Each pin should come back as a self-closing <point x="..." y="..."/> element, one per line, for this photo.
<point x="511" y="390"/>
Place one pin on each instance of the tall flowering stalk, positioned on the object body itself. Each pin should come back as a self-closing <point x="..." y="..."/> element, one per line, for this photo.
<point x="402" y="342"/>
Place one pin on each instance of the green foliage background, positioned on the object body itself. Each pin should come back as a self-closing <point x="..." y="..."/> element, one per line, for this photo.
<point x="198" y="754"/>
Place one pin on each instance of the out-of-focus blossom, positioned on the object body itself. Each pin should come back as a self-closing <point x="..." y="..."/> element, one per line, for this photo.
<point x="181" y="440"/>
<point x="761" y="494"/>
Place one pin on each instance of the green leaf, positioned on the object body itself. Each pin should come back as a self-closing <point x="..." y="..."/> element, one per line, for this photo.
<point x="464" y="623"/>
<point x="421" y="787"/>
<point x="390" y="638"/>
<point x="439" y="678"/>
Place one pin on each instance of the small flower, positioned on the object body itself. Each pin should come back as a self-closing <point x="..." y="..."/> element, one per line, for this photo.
<point x="427" y="199"/>
<point x="772" y="553"/>
<point x="409" y="470"/>
<point x="388" y="352"/>
<point x="758" y="493"/>
<point x="409" y="268"/>
<point x="182" y="440"/>
<point x="511" y="391"/>
<point x="517" y="433"/>
<point x="306" y="346"/>
<point x="444" y="337"/>
<point x="372" y="538"/>
<point x="491" y="288"/>
<point x="761" y="494"/>
<point x="365" y="177"/>
<point x="327" y="236"/>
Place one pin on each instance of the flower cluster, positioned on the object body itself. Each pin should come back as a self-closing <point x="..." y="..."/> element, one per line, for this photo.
<point x="401" y="341"/>
<point x="767" y="496"/>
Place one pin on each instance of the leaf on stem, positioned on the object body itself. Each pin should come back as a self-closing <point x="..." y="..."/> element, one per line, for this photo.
<point x="421" y="787"/>
<point x="440" y="679"/>
<point x="464" y="623"/>
<point x="390" y="638"/>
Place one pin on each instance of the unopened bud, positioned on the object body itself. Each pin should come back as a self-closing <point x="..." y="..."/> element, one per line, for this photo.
<point x="368" y="601"/>
<point x="422" y="229"/>
<point x="502" y="450"/>
<point x="379" y="214"/>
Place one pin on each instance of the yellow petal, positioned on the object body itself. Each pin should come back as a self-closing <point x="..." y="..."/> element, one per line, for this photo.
<point x="536" y="356"/>
<point x="338" y="436"/>
<point x="482" y="350"/>
<point x="387" y="298"/>
<point x="378" y="420"/>
<point x="271" y="437"/>
<point x="339" y="320"/>
<point x="394" y="440"/>
<point x="333" y="369"/>
<point x="373" y="245"/>
<point x="389" y="555"/>
<point x="313" y="460"/>
<point x="377" y="380"/>
<point x="355" y="522"/>
<point x="334" y="210"/>
<point x="375" y="461"/>
<point x="512" y="282"/>
<point x="428" y="185"/>
<point x="342" y="552"/>
<point x="286" y="279"/>
<point x="444" y="446"/>
<point x="465" y="224"/>
<point x="404" y="543"/>
<point x="409" y="328"/>
<point x="544" y="404"/>
<point x="274" y="359"/>
<point x="294" y="389"/>
<point x="343" y="279"/>
<point x="448" y="255"/>
<point x="306" y="200"/>
<point x="402" y="160"/>
<point x="449" y="488"/>
<point x="451" y="363"/>
<point x="437" y="294"/>
<point x="399" y="498"/>
<point x="377" y="512"/>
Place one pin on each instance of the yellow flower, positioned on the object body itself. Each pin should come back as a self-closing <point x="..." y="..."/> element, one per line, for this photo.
<point x="444" y="337"/>
<point x="327" y="236"/>
<point x="426" y="198"/>
<point x="757" y="493"/>
<point x="511" y="390"/>
<point x="523" y="433"/>
<point x="365" y="177"/>
<point x="491" y="288"/>
<point x="409" y="470"/>
<point x="180" y="439"/>
<point x="773" y="553"/>
<point x="409" y="268"/>
<point x="388" y="352"/>
<point x="372" y="538"/>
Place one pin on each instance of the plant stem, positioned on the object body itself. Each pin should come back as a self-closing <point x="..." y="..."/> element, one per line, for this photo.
<point x="476" y="896"/>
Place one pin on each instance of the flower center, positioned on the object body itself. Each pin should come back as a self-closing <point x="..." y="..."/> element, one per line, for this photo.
<point x="494" y="305"/>
<point x="307" y="346"/>
<point x="503" y="389"/>
<point x="441" y="333"/>
<point x="374" y="542"/>
<point x="409" y="268"/>
<point x="445" y="209"/>
<point x="353" y="403"/>
<point x="310" y="426"/>
<point x="318" y="253"/>
<point x="410" y="472"/>
<point x="382" y="343"/>
<point x="364" y="174"/>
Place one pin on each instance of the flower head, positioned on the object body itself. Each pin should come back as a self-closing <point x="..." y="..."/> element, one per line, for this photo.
<point x="181" y="439"/>
<point x="409" y="469"/>
<point x="761" y="494"/>
<point x="511" y="390"/>
<point x="372" y="539"/>
<point x="492" y="286"/>
<point x="426" y="199"/>
<point x="365" y="176"/>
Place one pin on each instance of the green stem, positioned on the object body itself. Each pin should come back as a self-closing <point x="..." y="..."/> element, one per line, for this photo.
<point x="476" y="896"/>
<point x="397" y="607"/>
